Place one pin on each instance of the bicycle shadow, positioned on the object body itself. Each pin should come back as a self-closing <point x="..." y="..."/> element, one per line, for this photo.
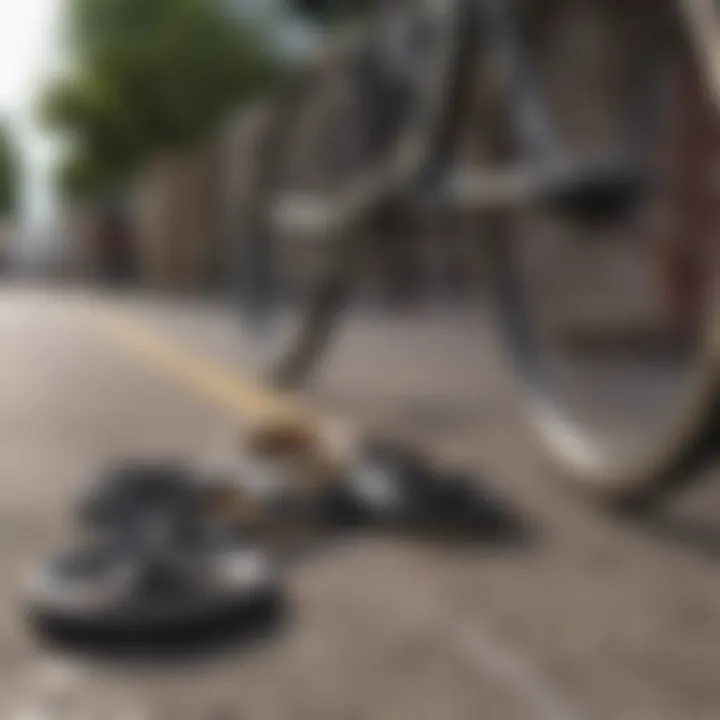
<point x="697" y="536"/>
<point x="684" y="519"/>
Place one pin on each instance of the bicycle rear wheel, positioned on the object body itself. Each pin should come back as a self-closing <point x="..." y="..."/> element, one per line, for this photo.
<point x="612" y="326"/>
<point x="369" y="122"/>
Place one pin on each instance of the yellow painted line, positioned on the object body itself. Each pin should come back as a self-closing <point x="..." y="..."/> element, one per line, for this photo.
<point x="212" y="382"/>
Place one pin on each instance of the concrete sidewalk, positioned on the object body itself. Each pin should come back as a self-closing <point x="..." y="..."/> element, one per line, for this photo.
<point x="591" y="619"/>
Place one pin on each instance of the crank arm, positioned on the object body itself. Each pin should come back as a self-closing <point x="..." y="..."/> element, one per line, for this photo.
<point x="585" y="192"/>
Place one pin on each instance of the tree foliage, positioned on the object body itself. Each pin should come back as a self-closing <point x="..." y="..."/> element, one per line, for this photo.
<point x="149" y="76"/>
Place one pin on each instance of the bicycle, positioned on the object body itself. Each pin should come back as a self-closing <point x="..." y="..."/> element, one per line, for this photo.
<point x="579" y="175"/>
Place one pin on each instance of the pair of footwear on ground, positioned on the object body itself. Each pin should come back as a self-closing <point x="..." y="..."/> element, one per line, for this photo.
<point x="171" y="548"/>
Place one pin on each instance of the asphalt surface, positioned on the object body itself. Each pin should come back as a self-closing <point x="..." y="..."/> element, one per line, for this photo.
<point x="570" y="614"/>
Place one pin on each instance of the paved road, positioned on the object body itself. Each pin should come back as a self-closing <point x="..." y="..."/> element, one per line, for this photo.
<point x="587" y="618"/>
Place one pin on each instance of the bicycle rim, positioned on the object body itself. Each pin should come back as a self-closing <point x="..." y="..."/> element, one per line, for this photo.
<point x="611" y="327"/>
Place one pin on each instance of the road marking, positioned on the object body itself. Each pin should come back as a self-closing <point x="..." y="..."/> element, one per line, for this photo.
<point x="213" y="382"/>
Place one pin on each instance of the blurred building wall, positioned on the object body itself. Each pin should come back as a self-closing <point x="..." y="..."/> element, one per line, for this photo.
<point x="168" y="209"/>
<point x="237" y="154"/>
<point x="190" y="213"/>
<point x="7" y="234"/>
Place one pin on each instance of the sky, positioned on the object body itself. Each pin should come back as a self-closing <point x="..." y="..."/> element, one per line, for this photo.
<point x="29" y="52"/>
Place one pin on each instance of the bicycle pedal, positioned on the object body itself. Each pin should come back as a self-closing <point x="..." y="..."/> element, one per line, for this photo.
<point x="595" y="194"/>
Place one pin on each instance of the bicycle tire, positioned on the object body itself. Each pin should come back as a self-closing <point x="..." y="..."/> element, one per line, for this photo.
<point x="637" y="480"/>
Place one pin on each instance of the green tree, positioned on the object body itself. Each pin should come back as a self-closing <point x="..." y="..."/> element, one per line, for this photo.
<point x="9" y="174"/>
<point x="150" y="76"/>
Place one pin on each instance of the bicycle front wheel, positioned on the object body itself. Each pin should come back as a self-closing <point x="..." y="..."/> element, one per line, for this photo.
<point x="611" y="323"/>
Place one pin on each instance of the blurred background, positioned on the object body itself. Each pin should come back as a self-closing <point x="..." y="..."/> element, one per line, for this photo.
<point x="102" y="98"/>
<point x="131" y="134"/>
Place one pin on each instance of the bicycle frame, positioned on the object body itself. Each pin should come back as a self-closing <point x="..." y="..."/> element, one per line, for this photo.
<point x="586" y="188"/>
